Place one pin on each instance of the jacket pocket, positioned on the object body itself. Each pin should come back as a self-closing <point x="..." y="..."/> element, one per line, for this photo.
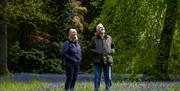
<point x="109" y="59"/>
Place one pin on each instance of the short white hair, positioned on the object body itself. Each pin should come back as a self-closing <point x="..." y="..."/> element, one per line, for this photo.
<point x="98" y="26"/>
<point x="72" y="30"/>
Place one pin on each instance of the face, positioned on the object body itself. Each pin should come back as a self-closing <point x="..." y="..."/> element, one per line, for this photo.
<point x="73" y="34"/>
<point x="101" y="30"/>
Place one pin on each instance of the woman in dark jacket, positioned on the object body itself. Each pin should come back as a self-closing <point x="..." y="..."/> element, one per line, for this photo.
<point x="71" y="55"/>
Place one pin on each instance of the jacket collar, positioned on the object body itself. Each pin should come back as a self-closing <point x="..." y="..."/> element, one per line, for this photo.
<point x="72" y="41"/>
<point x="99" y="37"/>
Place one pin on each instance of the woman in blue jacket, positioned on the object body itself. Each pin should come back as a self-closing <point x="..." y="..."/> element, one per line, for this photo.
<point x="71" y="55"/>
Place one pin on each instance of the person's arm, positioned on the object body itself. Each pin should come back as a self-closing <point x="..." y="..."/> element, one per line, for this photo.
<point x="112" y="46"/>
<point x="92" y="48"/>
<point x="80" y="52"/>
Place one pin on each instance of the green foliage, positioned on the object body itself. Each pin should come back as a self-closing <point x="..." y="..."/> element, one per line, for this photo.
<point x="28" y="16"/>
<point x="53" y="50"/>
<point x="24" y="61"/>
<point x="149" y="36"/>
<point x="174" y="59"/>
<point x="52" y="66"/>
<point x="94" y="7"/>
<point x="32" y="61"/>
<point x="25" y="17"/>
<point x="27" y="10"/>
<point x="136" y="27"/>
<point x="164" y="46"/>
<point x="62" y="14"/>
<point x="13" y="56"/>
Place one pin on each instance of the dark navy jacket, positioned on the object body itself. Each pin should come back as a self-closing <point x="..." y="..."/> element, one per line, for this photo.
<point x="71" y="53"/>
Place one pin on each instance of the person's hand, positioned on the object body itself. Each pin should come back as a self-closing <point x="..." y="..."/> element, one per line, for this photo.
<point x="113" y="50"/>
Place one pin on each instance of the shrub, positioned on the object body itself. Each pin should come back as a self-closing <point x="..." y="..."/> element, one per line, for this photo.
<point x="32" y="61"/>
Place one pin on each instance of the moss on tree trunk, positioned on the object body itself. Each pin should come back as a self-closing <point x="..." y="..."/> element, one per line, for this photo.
<point x="4" y="70"/>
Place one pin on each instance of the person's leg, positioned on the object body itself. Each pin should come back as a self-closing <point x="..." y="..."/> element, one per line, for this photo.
<point x="97" y="77"/>
<point x="69" y="76"/>
<point x="107" y="76"/>
<point x="75" y="75"/>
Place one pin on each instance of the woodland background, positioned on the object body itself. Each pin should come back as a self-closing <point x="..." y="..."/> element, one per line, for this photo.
<point x="146" y="34"/>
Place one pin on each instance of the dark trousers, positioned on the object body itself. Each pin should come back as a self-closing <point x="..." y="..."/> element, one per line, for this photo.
<point x="71" y="76"/>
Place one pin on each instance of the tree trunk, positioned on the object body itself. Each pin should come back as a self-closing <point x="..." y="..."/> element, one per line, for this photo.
<point x="3" y="40"/>
<point x="161" y="63"/>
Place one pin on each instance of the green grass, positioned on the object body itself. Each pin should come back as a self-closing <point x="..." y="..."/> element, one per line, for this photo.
<point x="55" y="82"/>
<point x="85" y="86"/>
<point x="21" y="86"/>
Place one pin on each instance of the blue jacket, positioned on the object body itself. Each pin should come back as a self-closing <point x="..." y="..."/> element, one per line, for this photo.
<point x="71" y="53"/>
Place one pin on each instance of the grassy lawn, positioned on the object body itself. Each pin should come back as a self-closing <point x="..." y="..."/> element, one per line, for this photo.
<point x="55" y="82"/>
